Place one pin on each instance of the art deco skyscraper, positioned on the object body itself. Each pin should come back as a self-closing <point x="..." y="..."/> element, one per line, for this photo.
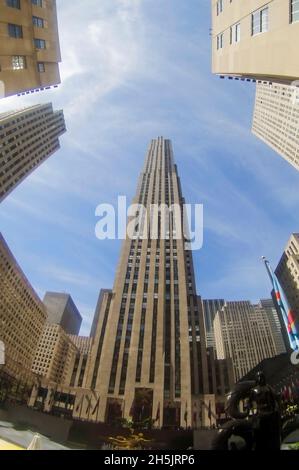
<point x="27" y="138"/>
<point x="148" y="357"/>
<point x="276" y="119"/>
<point x="29" y="46"/>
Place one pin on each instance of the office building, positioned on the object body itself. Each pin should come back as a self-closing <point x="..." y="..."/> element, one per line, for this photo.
<point x="60" y="366"/>
<point x="55" y="355"/>
<point x="276" y="119"/>
<point x="97" y="312"/>
<point x="27" y="138"/>
<point x="256" y="39"/>
<point x="277" y="329"/>
<point x="62" y="311"/>
<point x="22" y="319"/>
<point x="210" y="308"/>
<point x="243" y="333"/>
<point x="287" y="272"/>
<point x="148" y="358"/>
<point x="29" y="47"/>
<point x="83" y="345"/>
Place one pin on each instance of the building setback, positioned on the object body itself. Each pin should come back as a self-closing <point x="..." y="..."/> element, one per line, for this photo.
<point x="62" y="311"/>
<point x="276" y="119"/>
<point x="29" y="47"/>
<point x="148" y="358"/>
<point x="243" y="33"/>
<point x="27" y="138"/>
<point x="22" y="318"/>
<point x="210" y="308"/>
<point x="243" y="333"/>
<point x="287" y="272"/>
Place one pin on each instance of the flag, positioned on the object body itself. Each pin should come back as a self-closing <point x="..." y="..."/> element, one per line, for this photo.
<point x="186" y="413"/>
<point x="132" y="409"/>
<point x="210" y="411"/>
<point x="288" y="315"/>
<point x="158" y="413"/>
<point x="88" y="399"/>
<point x="96" y="406"/>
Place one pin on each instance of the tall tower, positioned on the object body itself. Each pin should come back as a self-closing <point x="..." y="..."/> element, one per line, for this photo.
<point x="276" y="119"/>
<point x="27" y="138"/>
<point x="148" y="358"/>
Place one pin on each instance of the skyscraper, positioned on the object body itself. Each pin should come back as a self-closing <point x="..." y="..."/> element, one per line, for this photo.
<point x="148" y="358"/>
<point x="27" y="138"/>
<point x="62" y="311"/>
<point x="29" y="47"/>
<point x="243" y="33"/>
<point x="22" y="319"/>
<point x="276" y="119"/>
<point x="287" y="272"/>
<point x="243" y="333"/>
<point x="210" y="308"/>
<point x="275" y="324"/>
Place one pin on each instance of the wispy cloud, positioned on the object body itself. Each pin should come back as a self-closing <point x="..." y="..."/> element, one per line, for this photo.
<point x="133" y="70"/>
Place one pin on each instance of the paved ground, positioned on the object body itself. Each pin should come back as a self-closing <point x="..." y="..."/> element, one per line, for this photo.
<point x="4" y="445"/>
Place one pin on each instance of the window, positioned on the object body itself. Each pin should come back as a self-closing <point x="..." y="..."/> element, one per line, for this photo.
<point x="220" y="41"/>
<point x="38" y="3"/>
<point x="294" y="10"/>
<point x="14" y="4"/>
<point x="219" y="6"/>
<point x="15" y="31"/>
<point x="235" y="33"/>
<point x="40" y="43"/>
<point x="38" y="22"/>
<point x="18" y="62"/>
<point x="41" y="67"/>
<point x="260" y="21"/>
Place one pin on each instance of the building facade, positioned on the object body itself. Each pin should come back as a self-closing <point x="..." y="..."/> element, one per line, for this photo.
<point x="22" y="319"/>
<point x="29" y="48"/>
<point x="210" y="308"/>
<point x="243" y="33"/>
<point x="243" y="333"/>
<point x="62" y="311"/>
<point x="27" y="138"/>
<point x="287" y="272"/>
<point x="277" y="329"/>
<point x="276" y="119"/>
<point x="55" y="355"/>
<point x="148" y="359"/>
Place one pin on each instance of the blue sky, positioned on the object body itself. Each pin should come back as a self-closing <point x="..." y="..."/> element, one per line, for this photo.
<point x="133" y="70"/>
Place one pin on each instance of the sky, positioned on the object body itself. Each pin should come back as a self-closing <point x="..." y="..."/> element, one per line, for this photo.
<point x="133" y="70"/>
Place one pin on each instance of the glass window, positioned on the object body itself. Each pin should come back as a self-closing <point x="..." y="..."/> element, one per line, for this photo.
<point x="235" y="33"/>
<point x="41" y="67"/>
<point x="14" y="4"/>
<point x="260" y="21"/>
<point x="38" y="22"/>
<point x="15" y="31"/>
<point x="220" y="41"/>
<point x="18" y="62"/>
<point x="294" y="10"/>
<point x="38" y="3"/>
<point x="40" y="43"/>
